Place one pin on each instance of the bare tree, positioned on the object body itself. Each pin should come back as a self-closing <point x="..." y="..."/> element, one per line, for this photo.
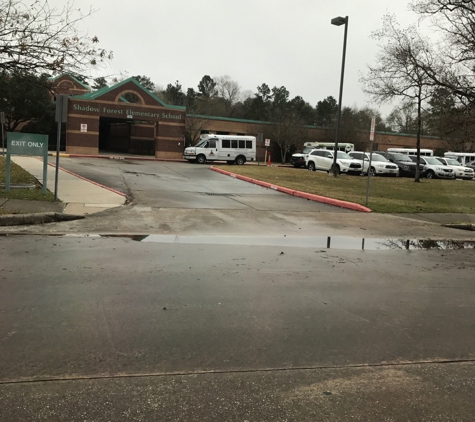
<point x="195" y="124"/>
<point x="455" y="22"/>
<point x="229" y="91"/>
<point x="401" y="70"/>
<point x="37" y="38"/>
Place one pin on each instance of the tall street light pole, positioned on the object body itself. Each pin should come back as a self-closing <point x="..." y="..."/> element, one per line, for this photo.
<point x="338" y="21"/>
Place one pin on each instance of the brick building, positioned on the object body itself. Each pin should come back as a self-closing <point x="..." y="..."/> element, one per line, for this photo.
<point x="124" y="118"/>
<point x="127" y="118"/>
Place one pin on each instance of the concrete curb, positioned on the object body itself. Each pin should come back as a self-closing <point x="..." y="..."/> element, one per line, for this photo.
<point x="461" y="226"/>
<point x="36" y="218"/>
<point x="305" y="195"/>
<point x="117" y="157"/>
<point x="90" y="181"/>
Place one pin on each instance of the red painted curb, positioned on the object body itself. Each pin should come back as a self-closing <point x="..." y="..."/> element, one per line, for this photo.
<point x="305" y="195"/>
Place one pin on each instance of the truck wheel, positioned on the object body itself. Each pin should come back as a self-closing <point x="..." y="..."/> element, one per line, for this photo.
<point x="240" y="160"/>
<point x="201" y="159"/>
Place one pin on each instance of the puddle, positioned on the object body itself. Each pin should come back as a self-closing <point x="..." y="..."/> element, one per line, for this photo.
<point x="320" y="242"/>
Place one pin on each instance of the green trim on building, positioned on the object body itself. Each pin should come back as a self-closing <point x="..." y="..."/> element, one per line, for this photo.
<point x="230" y="119"/>
<point x="262" y="122"/>
<point x="411" y="135"/>
<point x="99" y="93"/>
<point x="72" y="77"/>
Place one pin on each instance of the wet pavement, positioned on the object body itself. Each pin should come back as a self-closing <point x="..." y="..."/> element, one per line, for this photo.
<point x="247" y="310"/>
<point x="365" y="394"/>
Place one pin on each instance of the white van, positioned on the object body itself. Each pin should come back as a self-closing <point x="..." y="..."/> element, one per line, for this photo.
<point x="233" y="149"/>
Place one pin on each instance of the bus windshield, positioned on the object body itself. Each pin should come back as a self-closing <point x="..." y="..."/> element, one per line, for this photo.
<point x="201" y="143"/>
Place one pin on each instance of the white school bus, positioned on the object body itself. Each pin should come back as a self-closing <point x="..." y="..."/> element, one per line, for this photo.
<point x="462" y="157"/>
<point x="233" y="149"/>
<point x="412" y="151"/>
<point x="342" y="146"/>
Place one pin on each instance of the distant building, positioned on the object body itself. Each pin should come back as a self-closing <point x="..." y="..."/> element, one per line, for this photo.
<point x="128" y="118"/>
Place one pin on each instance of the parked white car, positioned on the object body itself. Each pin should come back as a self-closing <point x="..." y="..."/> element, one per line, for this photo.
<point x="434" y="168"/>
<point x="461" y="172"/>
<point x="380" y="166"/>
<point x="322" y="159"/>
<point x="298" y="159"/>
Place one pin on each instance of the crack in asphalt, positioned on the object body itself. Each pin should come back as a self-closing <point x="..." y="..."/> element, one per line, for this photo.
<point x="33" y="380"/>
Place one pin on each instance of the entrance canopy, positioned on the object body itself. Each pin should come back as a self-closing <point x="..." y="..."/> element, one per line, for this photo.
<point x="148" y="117"/>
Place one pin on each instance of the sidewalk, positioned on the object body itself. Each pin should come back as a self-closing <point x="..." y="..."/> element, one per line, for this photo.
<point x="79" y="196"/>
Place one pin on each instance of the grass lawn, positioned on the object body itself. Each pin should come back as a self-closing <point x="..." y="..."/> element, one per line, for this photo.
<point x="18" y="176"/>
<point x="386" y="194"/>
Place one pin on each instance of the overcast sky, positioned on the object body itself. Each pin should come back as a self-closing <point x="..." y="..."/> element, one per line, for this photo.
<point x="277" y="42"/>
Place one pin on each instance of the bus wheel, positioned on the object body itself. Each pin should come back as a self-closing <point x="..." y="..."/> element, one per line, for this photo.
<point x="201" y="159"/>
<point x="240" y="160"/>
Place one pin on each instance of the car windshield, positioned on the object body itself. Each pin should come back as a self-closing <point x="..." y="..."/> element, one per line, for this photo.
<point x="343" y="155"/>
<point x="432" y="161"/>
<point x="452" y="162"/>
<point x="377" y="157"/>
<point x="402" y="157"/>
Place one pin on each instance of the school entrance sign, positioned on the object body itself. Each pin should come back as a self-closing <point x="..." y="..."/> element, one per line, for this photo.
<point x="26" y="144"/>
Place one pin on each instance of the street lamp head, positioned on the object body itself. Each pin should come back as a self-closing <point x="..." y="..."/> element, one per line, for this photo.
<point x="338" y="21"/>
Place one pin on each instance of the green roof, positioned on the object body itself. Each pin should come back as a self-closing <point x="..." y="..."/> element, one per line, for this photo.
<point x="73" y="78"/>
<point x="100" y="92"/>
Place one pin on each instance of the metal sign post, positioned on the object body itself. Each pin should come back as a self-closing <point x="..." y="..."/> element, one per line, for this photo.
<point x="267" y="143"/>
<point x="2" y="122"/>
<point x="260" y="140"/>
<point x="371" y="138"/>
<point x="60" y="116"/>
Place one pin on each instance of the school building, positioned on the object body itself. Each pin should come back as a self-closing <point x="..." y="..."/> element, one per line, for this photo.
<point x="128" y="118"/>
